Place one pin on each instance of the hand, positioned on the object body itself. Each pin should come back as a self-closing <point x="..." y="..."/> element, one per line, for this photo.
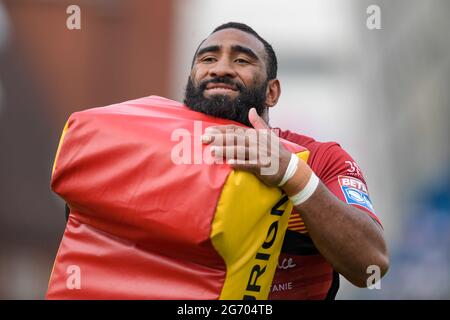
<point x="257" y="150"/>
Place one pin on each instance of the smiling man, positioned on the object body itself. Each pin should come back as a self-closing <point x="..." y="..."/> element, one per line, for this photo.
<point x="333" y="228"/>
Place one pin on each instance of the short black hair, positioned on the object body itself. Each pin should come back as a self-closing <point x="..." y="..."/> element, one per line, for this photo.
<point x="272" y="63"/>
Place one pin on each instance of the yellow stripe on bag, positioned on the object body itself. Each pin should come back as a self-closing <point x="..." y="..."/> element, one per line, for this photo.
<point x="66" y="126"/>
<point x="248" y="233"/>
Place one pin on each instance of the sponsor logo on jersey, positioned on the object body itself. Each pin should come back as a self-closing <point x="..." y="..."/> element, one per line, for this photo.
<point x="276" y="287"/>
<point x="355" y="192"/>
<point x="286" y="264"/>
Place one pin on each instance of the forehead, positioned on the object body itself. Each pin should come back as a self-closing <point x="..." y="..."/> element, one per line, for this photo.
<point x="229" y="37"/>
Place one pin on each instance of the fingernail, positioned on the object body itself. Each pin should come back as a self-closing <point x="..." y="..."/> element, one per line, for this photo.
<point x="206" y="138"/>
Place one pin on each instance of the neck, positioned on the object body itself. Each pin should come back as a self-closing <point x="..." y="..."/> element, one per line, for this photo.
<point x="265" y="116"/>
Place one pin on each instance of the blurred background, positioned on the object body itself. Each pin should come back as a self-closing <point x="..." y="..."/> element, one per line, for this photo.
<point x="382" y="94"/>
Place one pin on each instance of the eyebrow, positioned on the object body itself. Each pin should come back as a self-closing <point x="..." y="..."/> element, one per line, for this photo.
<point x="214" y="48"/>
<point x="236" y="48"/>
<point x="245" y="50"/>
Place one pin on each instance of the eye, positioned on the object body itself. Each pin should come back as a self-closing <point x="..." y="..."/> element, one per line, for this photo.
<point x="241" y="61"/>
<point x="208" y="59"/>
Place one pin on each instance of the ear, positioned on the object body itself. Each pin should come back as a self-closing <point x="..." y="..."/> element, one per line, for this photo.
<point x="273" y="92"/>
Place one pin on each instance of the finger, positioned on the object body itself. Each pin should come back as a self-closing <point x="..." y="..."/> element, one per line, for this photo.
<point x="224" y="135"/>
<point x="227" y="139"/>
<point x="256" y="121"/>
<point x="243" y="165"/>
<point x="207" y="139"/>
<point x="222" y="129"/>
<point x="238" y="153"/>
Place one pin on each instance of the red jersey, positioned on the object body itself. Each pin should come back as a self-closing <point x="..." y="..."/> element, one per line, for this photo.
<point x="302" y="272"/>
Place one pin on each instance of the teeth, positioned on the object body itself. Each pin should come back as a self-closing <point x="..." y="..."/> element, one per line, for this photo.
<point x="221" y="88"/>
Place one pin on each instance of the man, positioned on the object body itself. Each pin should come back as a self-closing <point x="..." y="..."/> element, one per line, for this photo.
<point x="333" y="228"/>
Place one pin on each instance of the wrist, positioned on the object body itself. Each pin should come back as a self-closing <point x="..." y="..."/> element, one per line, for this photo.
<point x="302" y="184"/>
<point x="290" y="169"/>
<point x="299" y="179"/>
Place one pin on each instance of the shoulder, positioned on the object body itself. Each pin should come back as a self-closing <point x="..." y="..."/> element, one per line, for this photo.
<point x="326" y="158"/>
<point x="317" y="149"/>
<point x="336" y="169"/>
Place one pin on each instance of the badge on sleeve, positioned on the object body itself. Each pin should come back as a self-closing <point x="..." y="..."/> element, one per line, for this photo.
<point x="355" y="192"/>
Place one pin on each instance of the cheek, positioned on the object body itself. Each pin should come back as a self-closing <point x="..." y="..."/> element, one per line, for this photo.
<point x="198" y="73"/>
<point x="253" y="78"/>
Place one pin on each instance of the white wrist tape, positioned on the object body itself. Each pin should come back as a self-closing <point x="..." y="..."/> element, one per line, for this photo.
<point x="307" y="191"/>
<point x="290" y="171"/>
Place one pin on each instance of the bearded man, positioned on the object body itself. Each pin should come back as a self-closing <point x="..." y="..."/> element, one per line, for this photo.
<point x="333" y="228"/>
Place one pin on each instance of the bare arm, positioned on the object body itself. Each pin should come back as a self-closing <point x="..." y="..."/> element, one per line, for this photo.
<point x="347" y="237"/>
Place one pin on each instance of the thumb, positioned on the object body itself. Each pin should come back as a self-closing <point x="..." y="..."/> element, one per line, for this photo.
<point x="256" y="121"/>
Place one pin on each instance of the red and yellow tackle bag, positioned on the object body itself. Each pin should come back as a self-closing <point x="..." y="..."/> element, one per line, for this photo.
<point x="142" y="226"/>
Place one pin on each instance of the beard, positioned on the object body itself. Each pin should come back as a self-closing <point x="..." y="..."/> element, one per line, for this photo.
<point x="222" y="106"/>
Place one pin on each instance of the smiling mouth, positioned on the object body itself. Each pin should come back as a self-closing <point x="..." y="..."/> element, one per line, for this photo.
<point x="220" y="88"/>
<point x="220" y="91"/>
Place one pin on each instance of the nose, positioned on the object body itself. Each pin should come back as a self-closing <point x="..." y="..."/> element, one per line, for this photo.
<point x="222" y="68"/>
